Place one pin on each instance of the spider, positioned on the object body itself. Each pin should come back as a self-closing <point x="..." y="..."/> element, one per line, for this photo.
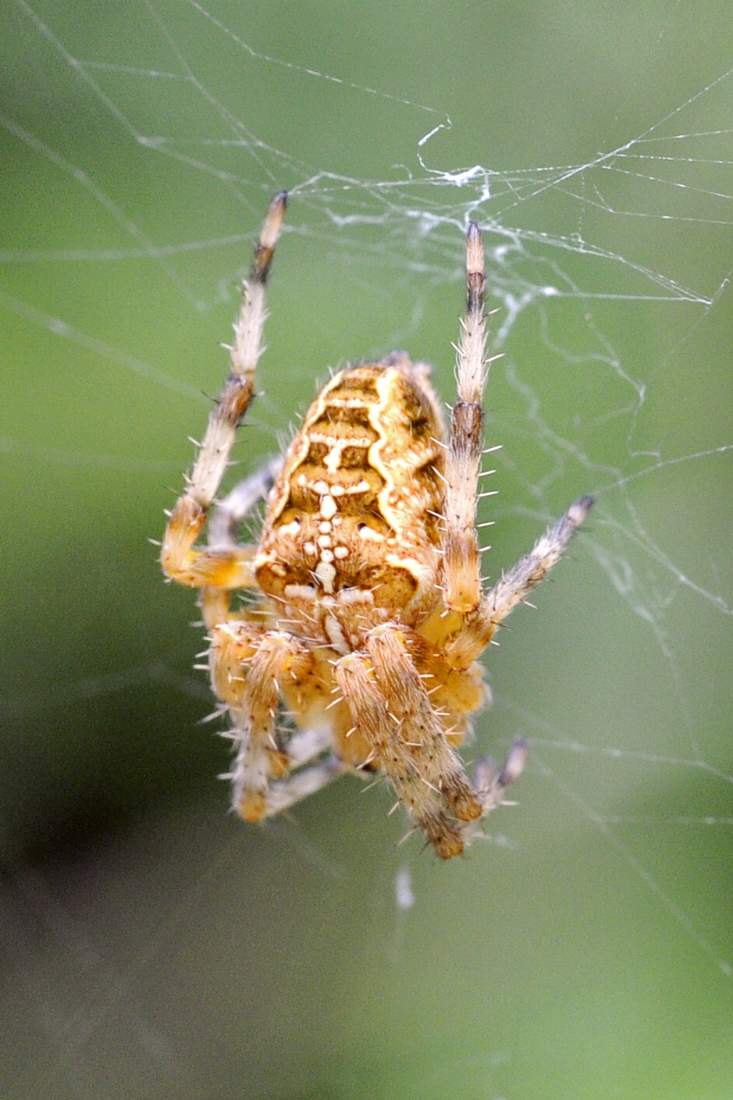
<point x="369" y="615"/>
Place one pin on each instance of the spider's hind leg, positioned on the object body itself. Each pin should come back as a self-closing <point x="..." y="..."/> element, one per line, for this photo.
<point x="286" y="793"/>
<point x="247" y="667"/>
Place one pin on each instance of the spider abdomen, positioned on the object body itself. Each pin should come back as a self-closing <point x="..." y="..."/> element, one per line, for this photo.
<point x="354" y="515"/>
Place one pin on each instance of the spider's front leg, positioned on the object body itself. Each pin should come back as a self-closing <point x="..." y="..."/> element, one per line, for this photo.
<point x="392" y="709"/>
<point x="226" y="566"/>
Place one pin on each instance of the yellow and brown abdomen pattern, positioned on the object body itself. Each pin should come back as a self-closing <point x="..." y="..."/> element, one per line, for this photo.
<point x="356" y="508"/>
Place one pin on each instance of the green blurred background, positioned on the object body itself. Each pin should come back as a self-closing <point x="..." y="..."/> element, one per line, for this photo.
<point x="152" y="946"/>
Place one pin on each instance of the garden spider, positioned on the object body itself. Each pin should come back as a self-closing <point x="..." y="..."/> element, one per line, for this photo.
<point x="369" y="615"/>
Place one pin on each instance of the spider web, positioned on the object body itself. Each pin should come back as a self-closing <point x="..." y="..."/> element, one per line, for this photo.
<point x="143" y="146"/>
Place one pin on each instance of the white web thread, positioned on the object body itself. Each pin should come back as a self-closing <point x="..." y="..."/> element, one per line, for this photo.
<point x="421" y="214"/>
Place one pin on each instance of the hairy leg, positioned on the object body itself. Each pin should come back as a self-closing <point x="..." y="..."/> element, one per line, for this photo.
<point x="303" y="748"/>
<point x="229" y="566"/>
<point x="247" y="665"/>
<point x="391" y="708"/>
<point x="239" y="503"/>
<point x="461" y="561"/>
<point x="286" y="793"/>
<point x="515" y="585"/>
<point x="222" y="536"/>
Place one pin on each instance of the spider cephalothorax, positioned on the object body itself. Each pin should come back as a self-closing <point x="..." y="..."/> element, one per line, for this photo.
<point x="369" y="615"/>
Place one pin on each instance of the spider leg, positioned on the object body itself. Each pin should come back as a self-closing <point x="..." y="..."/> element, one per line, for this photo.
<point x="229" y="566"/>
<point x="516" y="584"/>
<point x="285" y="793"/>
<point x="237" y="505"/>
<point x="491" y="784"/>
<point x="391" y="708"/>
<point x="222" y="534"/>
<point x="247" y="664"/>
<point x="519" y="581"/>
<point x="461" y="560"/>
<point x="303" y="748"/>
